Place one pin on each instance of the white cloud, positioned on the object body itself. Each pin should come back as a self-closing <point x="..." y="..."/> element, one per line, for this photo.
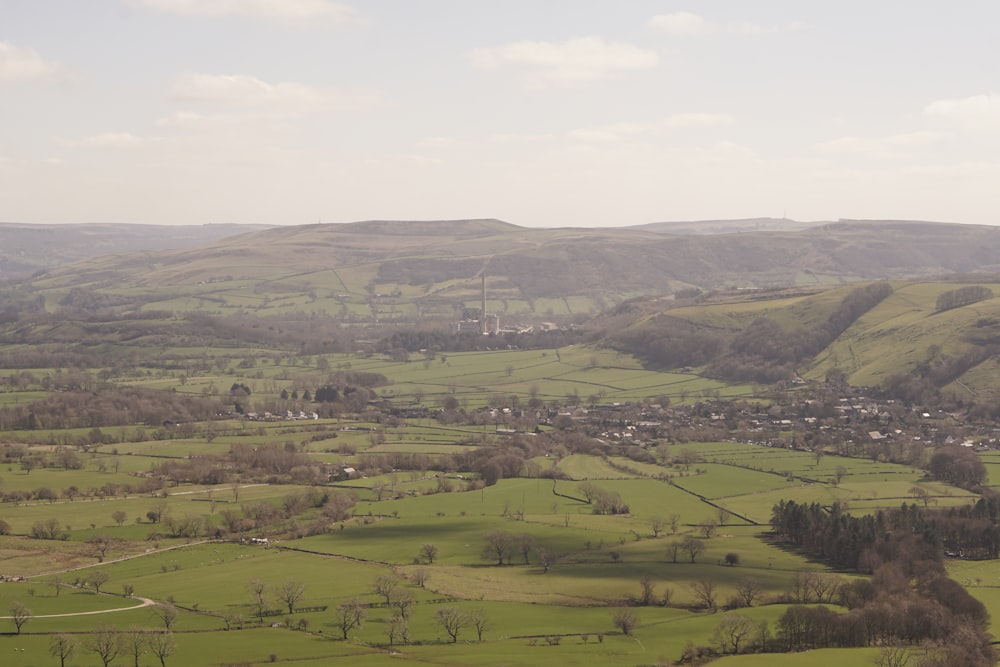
<point x="281" y="10"/>
<point x="681" y="23"/>
<point x="110" y="140"/>
<point x="619" y="131"/>
<point x="688" y="23"/>
<point x="247" y="91"/>
<point x="22" y="64"/>
<point x="573" y="61"/>
<point x="979" y="112"/>
<point x="891" y="146"/>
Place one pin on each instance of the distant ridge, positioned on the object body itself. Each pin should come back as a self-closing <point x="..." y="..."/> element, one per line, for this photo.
<point x="727" y="226"/>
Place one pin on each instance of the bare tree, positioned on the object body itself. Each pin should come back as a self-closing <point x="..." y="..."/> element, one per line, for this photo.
<point x="731" y="632"/>
<point x="675" y="520"/>
<point x="705" y="591"/>
<point x="657" y="524"/>
<point x="105" y="642"/>
<point x="119" y="517"/>
<point x="62" y="646"/>
<point x="749" y="590"/>
<point x="498" y="545"/>
<point x="479" y="620"/>
<point x="290" y="592"/>
<point x="101" y="543"/>
<point x="97" y="579"/>
<point x="350" y="615"/>
<point x="134" y="643"/>
<point x="625" y="619"/>
<point x="892" y="656"/>
<point x="398" y="628"/>
<point x="545" y="558"/>
<point x="724" y="516"/>
<point x="258" y="589"/>
<point x="401" y="600"/>
<point x="693" y="546"/>
<point x="429" y="552"/>
<point x="20" y="614"/>
<point x="162" y="645"/>
<point x="646" y="586"/>
<point x="708" y="527"/>
<point x="167" y="613"/>
<point x="385" y="585"/>
<point x="673" y="548"/>
<point x="421" y="576"/>
<point x="452" y="619"/>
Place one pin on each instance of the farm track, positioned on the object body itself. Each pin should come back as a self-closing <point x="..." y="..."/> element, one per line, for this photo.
<point x="146" y="602"/>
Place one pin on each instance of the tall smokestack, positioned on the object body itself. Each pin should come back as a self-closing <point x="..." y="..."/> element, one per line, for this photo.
<point x="482" y="320"/>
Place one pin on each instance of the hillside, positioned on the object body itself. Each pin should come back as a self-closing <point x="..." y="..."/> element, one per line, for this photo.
<point x="26" y="249"/>
<point x="406" y="271"/>
<point x="889" y="334"/>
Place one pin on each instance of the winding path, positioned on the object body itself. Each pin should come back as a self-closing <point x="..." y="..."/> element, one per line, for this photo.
<point x="146" y="602"/>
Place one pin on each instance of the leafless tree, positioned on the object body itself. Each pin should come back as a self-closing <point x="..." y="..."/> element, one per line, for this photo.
<point x="625" y="619"/>
<point x="350" y="615"/>
<point x="452" y="619"/>
<point x="401" y="600"/>
<point x="398" y="628"/>
<point x="134" y="643"/>
<point x="62" y="646"/>
<point x="479" y="620"/>
<point x="290" y="592"/>
<point x="657" y="524"/>
<point x="421" y="576"/>
<point x="705" y="591"/>
<point x="749" y="590"/>
<point x="646" y="586"/>
<point x="731" y="632"/>
<point x="162" y="645"/>
<point x="258" y="589"/>
<point x="385" y="585"/>
<point x="693" y="546"/>
<point x="20" y="614"/>
<point x="429" y="552"/>
<point x="105" y="642"/>
<point x="498" y="545"/>
<point x="167" y="613"/>
<point x="98" y="578"/>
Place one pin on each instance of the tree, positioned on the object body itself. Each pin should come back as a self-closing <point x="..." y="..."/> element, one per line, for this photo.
<point x="657" y="524"/>
<point x="545" y="557"/>
<point x="646" y="587"/>
<point x="62" y="646"/>
<point x="167" y="613"/>
<point x="398" y="628"/>
<point x="385" y="585"/>
<point x="498" y="545"/>
<point x="290" y="592"/>
<point x="708" y="527"/>
<point x="97" y="579"/>
<point x="731" y="632"/>
<point x="101" y="543"/>
<point x="258" y="589"/>
<point x="705" y="591"/>
<point x="692" y="546"/>
<point x="892" y="656"/>
<point x="749" y="590"/>
<point x="429" y="552"/>
<point x="134" y="643"/>
<point x="350" y="615"/>
<point x="479" y="620"/>
<point x="105" y="642"/>
<point x="674" y="548"/>
<point x="119" y="517"/>
<point x="421" y="576"/>
<point x="732" y="558"/>
<point x="20" y="614"/>
<point x="452" y="619"/>
<point x="162" y="645"/>
<point x="625" y="619"/>
<point x="401" y="600"/>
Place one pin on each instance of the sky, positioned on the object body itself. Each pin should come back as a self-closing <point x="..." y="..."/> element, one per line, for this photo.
<point x="542" y="113"/>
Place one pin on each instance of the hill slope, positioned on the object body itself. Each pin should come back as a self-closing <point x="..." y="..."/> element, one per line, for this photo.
<point x="404" y="271"/>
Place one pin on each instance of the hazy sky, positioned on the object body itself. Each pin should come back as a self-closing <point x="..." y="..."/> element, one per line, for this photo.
<point x="540" y="112"/>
